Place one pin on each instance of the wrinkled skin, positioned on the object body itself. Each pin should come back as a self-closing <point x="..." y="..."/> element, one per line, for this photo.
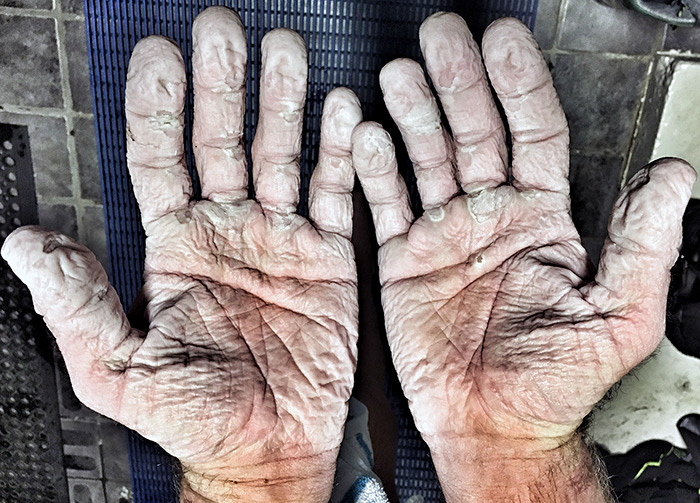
<point x="497" y="324"/>
<point x="252" y="310"/>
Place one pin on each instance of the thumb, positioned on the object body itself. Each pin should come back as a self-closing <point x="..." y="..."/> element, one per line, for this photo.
<point x="644" y="235"/>
<point x="70" y="290"/>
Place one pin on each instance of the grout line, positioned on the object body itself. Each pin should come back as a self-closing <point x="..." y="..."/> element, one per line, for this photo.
<point x="637" y="124"/>
<point x="45" y="111"/>
<point x="609" y="55"/>
<point x="68" y="201"/>
<point x="68" y="104"/>
<point x="42" y="13"/>
<point x="604" y="152"/>
<point x="680" y="55"/>
<point x="646" y="88"/>
<point x="560" y="22"/>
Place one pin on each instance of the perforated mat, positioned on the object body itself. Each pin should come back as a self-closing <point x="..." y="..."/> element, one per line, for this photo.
<point x="348" y="41"/>
<point x="31" y="454"/>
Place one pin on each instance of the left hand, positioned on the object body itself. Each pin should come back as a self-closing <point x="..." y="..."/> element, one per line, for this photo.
<point x="497" y="325"/>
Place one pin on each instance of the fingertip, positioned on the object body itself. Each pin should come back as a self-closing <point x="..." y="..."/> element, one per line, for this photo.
<point x="284" y="71"/>
<point x="285" y="42"/>
<point x="44" y="259"/>
<point x="397" y="73"/>
<point x="156" y="77"/>
<point x="151" y="43"/>
<point x="370" y="142"/>
<point x="13" y="244"/>
<point x="154" y="52"/>
<point x="512" y="57"/>
<point x="451" y="54"/>
<point x="507" y="25"/>
<point x="343" y="96"/>
<point x="675" y="168"/>
<point x="341" y="114"/>
<point x="219" y="48"/>
<point x="366" y="130"/>
<point x="438" y="23"/>
<point x="215" y="17"/>
<point x="668" y="173"/>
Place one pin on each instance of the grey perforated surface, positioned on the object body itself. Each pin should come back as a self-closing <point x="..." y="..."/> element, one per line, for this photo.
<point x="31" y="464"/>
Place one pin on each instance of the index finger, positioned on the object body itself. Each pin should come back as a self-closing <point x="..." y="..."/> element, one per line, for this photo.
<point x="155" y="104"/>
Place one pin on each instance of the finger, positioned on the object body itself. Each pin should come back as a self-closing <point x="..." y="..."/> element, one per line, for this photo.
<point x="330" y="189"/>
<point x="155" y="102"/>
<point x="455" y="68"/>
<point x="219" y="59"/>
<point x="277" y="143"/>
<point x="522" y="81"/>
<point x="70" y="290"/>
<point x="644" y="235"/>
<point x="375" y="163"/>
<point x="415" y="111"/>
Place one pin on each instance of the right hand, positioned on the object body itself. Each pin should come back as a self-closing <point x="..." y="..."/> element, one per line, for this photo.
<point x="247" y="365"/>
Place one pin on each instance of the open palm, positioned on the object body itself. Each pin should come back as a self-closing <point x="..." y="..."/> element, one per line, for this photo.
<point x="252" y="310"/>
<point x="497" y="326"/>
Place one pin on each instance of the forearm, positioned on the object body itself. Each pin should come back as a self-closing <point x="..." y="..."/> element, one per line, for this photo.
<point x="496" y="470"/>
<point x="307" y="480"/>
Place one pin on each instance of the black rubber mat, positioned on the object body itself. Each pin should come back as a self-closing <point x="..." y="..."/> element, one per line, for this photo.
<point x="348" y="41"/>
<point x="31" y="454"/>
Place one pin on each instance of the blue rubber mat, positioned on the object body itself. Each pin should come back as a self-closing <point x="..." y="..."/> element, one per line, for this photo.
<point x="348" y="41"/>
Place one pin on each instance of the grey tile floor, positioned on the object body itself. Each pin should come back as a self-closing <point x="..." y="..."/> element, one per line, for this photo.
<point x="45" y="85"/>
<point x="608" y="66"/>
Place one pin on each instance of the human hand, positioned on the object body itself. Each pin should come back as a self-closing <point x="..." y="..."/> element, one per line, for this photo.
<point x="502" y="337"/>
<point x="247" y="365"/>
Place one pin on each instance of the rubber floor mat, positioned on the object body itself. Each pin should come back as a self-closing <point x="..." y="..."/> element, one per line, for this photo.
<point x="348" y="42"/>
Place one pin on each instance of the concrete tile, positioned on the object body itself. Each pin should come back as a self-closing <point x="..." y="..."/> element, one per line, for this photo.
<point x="94" y="237"/>
<point x="594" y="186"/>
<point x="72" y="6"/>
<point x="28" y="4"/>
<point x="546" y="22"/>
<point x="90" y="185"/>
<point x="682" y="39"/>
<point x="49" y="152"/>
<point x="59" y="217"/>
<point x="29" y="66"/>
<point x="78" y="68"/>
<point x="590" y="26"/>
<point x="83" y="461"/>
<point x="81" y="433"/>
<point x="650" y="401"/>
<point x="115" y="455"/>
<point x="680" y="122"/>
<point x="601" y="97"/>
<point x="86" y="491"/>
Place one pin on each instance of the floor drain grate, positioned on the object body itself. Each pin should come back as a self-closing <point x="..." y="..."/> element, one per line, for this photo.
<point x="31" y="463"/>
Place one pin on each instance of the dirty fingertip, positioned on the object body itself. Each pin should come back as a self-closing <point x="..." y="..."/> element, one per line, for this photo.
<point x="677" y="168"/>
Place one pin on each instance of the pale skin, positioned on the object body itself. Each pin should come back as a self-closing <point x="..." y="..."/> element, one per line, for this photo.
<point x="247" y="365"/>
<point x="502" y="335"/>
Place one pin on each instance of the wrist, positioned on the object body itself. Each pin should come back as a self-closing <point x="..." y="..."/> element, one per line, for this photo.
<point x="307" y="479"/>
<point x="552" y="470"/>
